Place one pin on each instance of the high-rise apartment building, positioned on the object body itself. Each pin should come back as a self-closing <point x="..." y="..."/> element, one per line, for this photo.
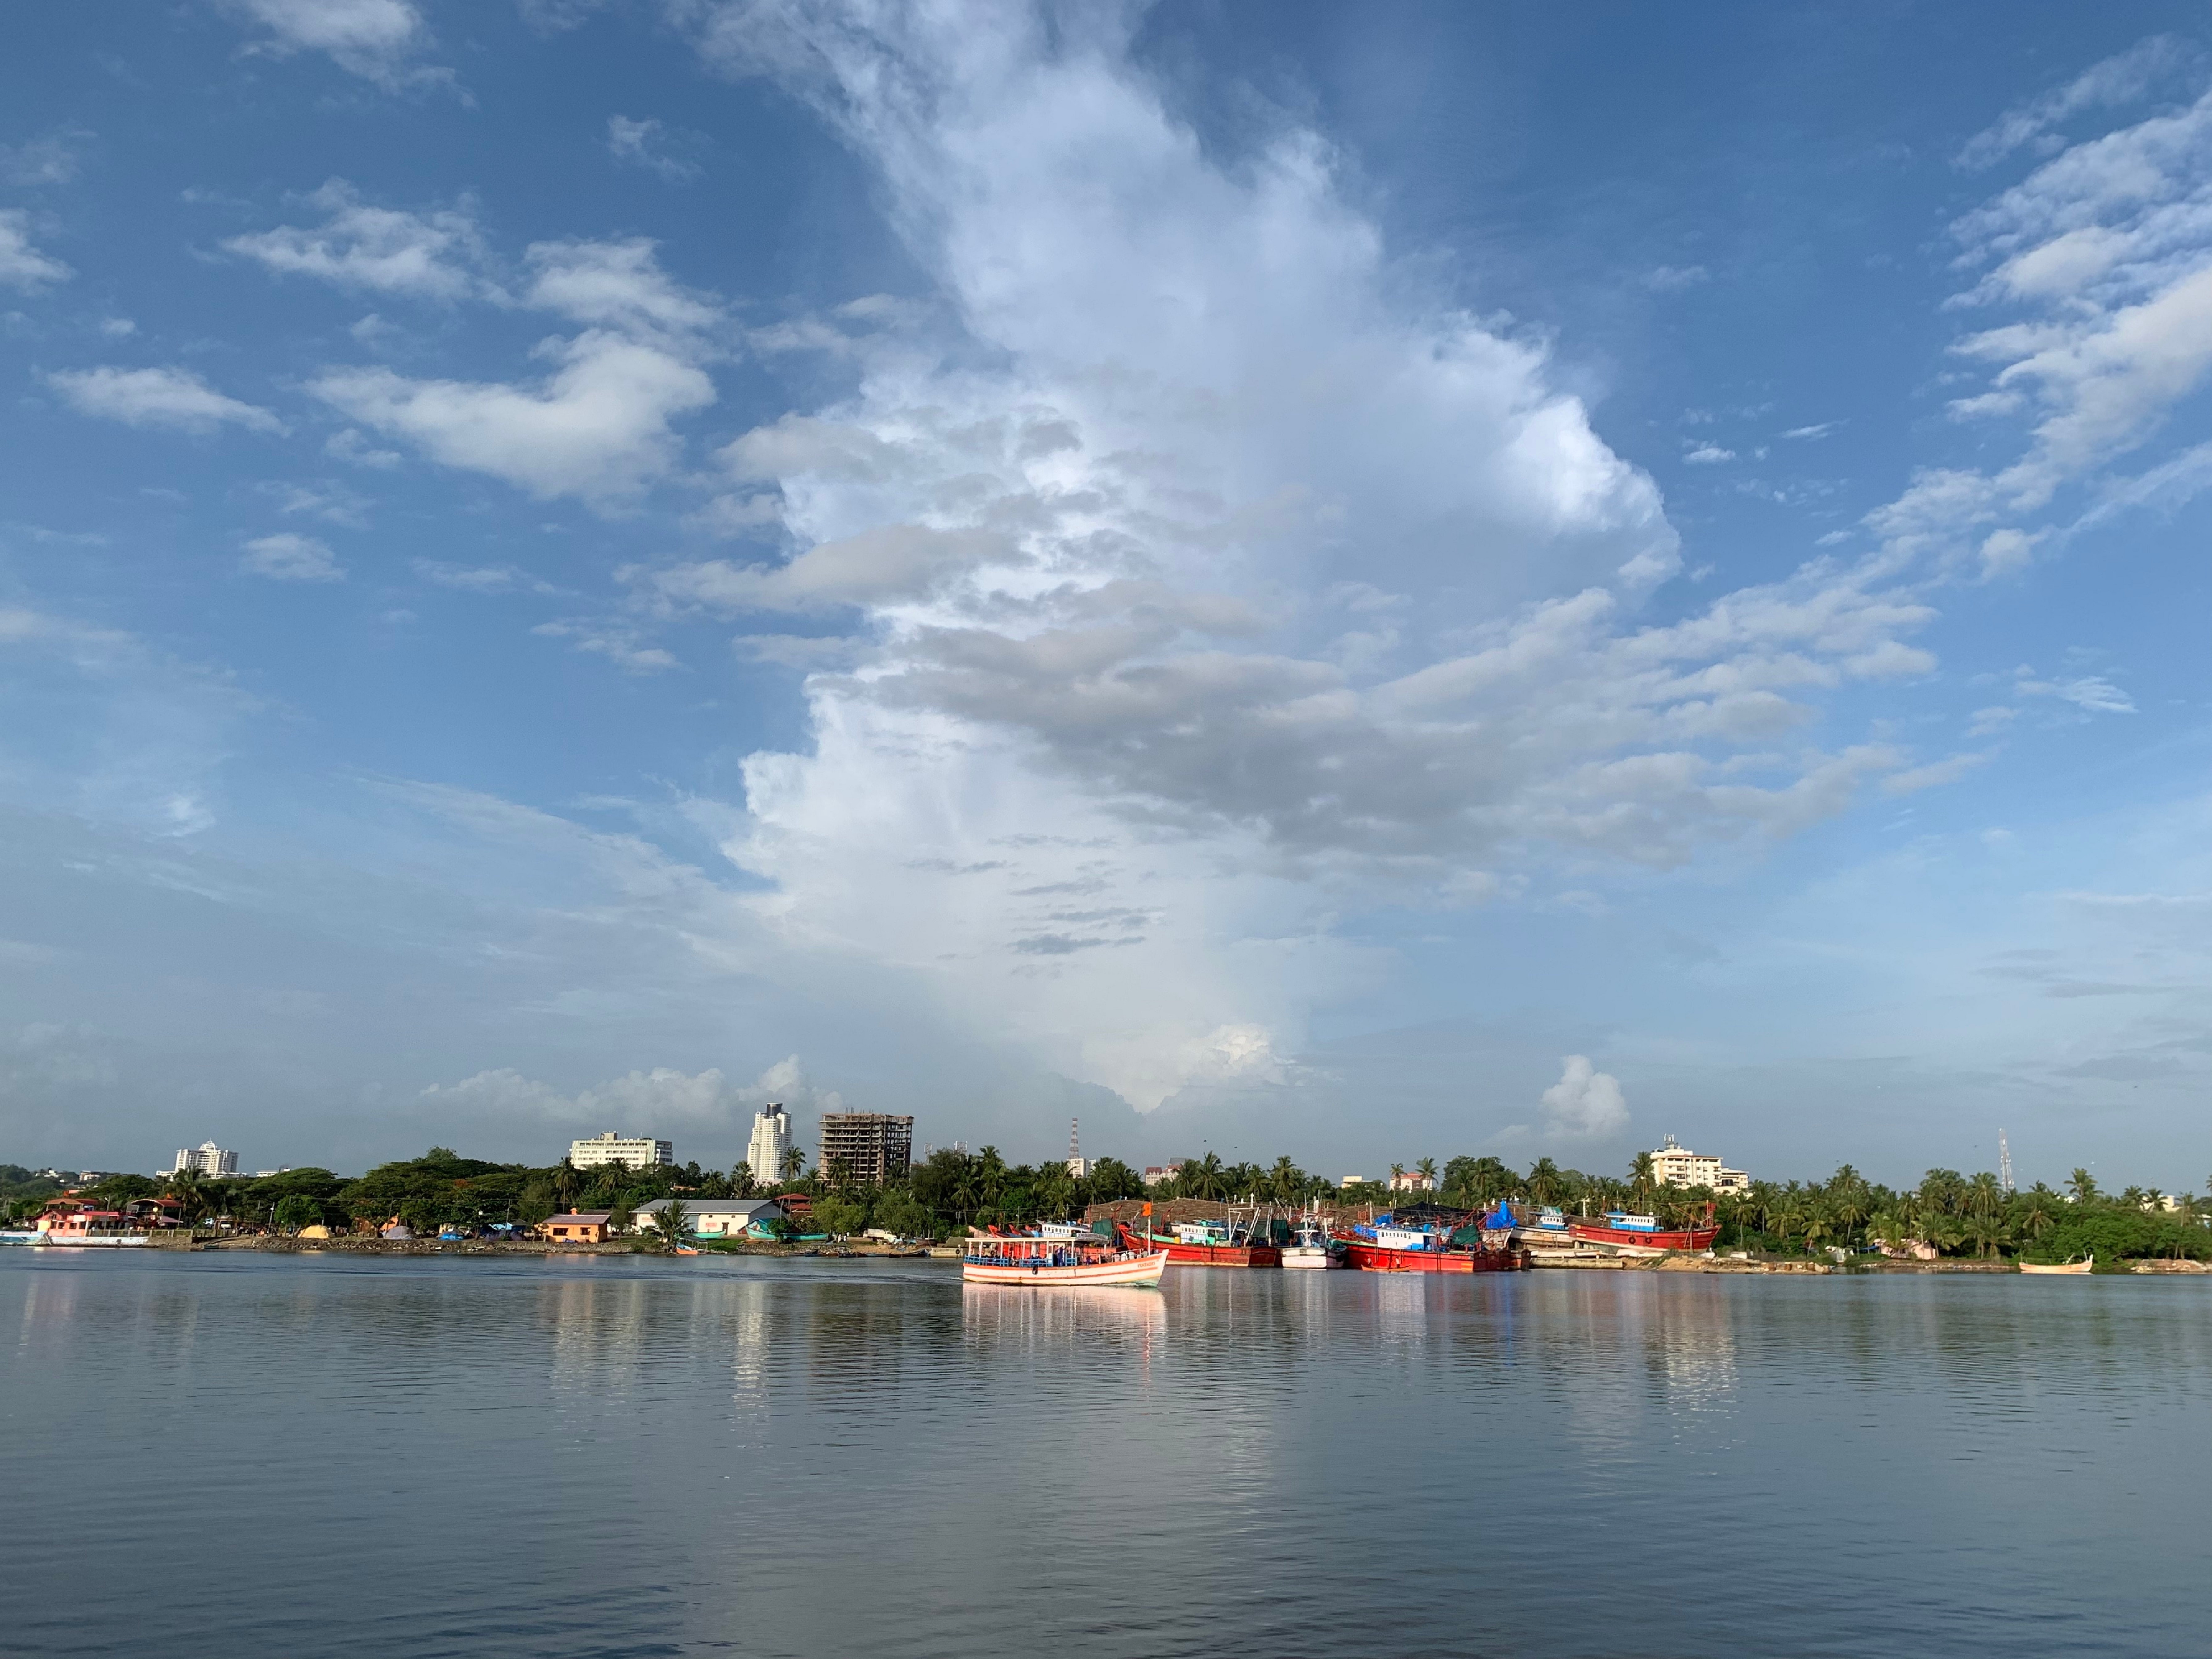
<point x="869" y="1147"/>
<point x="207" y="1159"/>
<point x="770" y="1143"/>
<point x="631" y="1152"/>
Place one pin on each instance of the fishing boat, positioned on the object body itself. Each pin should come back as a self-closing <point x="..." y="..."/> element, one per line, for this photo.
<point x="1641" y="1235"/>
<point x="1225" y="1244"/>
<point x="1310" y="1246"/>
<point x="1427" y="1238"/>
<point x="1058" y="1253"/>
<point x="2087" y="1266"/>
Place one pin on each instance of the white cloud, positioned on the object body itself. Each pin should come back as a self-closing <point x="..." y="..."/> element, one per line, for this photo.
<point x="1807" y="432"/>
<point x="23" y="265"/>
<point x="643" y="143"/>
<point x="483" y="578"/>
<point x="435" y="255"/>
<point x="1708" y="455"/>
<point x="656" y="1101"/>
<point x="1672" y="279"/>
<point x="157" y="397"/>
<point x="41" y="161"/>
<point x="2093" y="694"/>
<point x="1585" y="1102"/>
<point x="2121" y="79"/>
<point x="291" y="558"/>
<point x="376" y="39"/>
<point x="617" y="285"/>
<point x="2103" y="254"/>
<point x="1095" y="763"/>
<point x="598" y="427"/>
<point x="1930" y="776"/>
<point x="623" y="646"/>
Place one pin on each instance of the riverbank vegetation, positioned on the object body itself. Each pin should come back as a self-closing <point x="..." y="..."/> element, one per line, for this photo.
<point x="1945" y="1215"/>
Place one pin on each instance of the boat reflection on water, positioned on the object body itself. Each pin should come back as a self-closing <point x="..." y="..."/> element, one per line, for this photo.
<point x="1125" y="1322"/>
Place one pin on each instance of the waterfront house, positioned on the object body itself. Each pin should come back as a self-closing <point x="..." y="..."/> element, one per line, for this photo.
<point x="576" y="1227"/>
<point x="798" y="1205"/>
<point x="713" y="1218"/>
<point x="76" y="1223"/>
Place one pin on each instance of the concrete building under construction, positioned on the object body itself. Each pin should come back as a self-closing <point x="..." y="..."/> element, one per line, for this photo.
<point x="868" y="1146"/>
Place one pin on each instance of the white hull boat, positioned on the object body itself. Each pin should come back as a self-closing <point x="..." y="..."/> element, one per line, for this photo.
<point x="1059" y="1252"/>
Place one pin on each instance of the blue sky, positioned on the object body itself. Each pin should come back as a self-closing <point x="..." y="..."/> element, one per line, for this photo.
<point x="1368" y="584"/>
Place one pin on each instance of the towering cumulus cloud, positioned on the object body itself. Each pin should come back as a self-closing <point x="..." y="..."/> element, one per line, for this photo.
<point x="1197" y="578"/>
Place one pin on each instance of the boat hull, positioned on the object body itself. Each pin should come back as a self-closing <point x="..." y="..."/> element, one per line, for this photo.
<point x="1310" y="1255"/>
<point x="1204" y="1256"/>
<point x="1635" y="1242"/>
<point x="1384" y="1258"/>
<point x="1129" y="1270"/>
<point x="2059" y="1268"/>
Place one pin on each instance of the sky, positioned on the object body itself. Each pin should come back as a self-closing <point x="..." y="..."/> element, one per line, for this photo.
<point x="1367" y="583"/>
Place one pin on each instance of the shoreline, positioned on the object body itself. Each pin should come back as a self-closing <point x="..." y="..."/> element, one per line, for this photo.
<point x="875" y="1251"/>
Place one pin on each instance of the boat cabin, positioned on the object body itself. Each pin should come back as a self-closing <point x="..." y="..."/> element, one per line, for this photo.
<point x="1062" y="1245"/>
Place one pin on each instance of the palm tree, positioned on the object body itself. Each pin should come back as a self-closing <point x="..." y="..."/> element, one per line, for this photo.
<point x="1643" y="1175"/>
<point x="2083" y="1186"/>
<point x="1397" y="1172"/>
<point x="2039" y="1211"/>
<point x="1205" y="1177"/>
<point x="1427" y="1166"/>
<point x="1544" y="1181"/>
<point x="565" y="1181"/>
<point x="794" y="1161"/>
<point x="1284" y="1180"/>
<point x="741" y="1180"/>
<point x="672" y="1222"/>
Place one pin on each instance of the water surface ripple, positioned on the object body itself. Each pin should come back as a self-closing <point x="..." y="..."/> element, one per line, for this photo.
<point x="233" y="1453"/>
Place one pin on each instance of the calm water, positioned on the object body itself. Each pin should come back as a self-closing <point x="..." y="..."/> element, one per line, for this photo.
<point x="268" y="1455"/>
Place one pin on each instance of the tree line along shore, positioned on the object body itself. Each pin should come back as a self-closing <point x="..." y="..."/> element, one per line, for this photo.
<point x="1947" y="1214"/>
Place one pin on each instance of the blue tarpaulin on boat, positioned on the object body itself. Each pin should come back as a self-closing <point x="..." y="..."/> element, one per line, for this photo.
<point x="1500" y="1217"/>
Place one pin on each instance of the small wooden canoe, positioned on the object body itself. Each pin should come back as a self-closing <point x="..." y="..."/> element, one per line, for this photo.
<point x="2058" y="1267"/>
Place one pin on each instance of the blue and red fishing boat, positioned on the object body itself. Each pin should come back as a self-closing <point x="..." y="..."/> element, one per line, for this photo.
<point x="1429" y="1238"/>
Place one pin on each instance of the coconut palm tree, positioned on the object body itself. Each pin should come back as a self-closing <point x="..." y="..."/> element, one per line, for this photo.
<point x="741" y="1180"/>
<point x="2039" y="1211"/>
<point x="1205" y="1177"/>
<point x="1284" y="1181"/>
<point x="1427" y="1166"/>
<point x="672" y="1223"/>
<point x="794" y="1163"/>
<point x="1642" y="1177"/>
<point x="1544" y="1182"/>
<point x="2083" y="1186"/>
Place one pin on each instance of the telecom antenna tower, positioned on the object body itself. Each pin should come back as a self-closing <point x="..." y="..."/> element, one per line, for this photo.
<point x="2004" y="1163"/>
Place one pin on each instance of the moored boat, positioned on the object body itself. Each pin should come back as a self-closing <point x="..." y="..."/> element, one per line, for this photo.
<point x="1427" y="1238"/>
<point x="2088" y="1265"/>
<point x="1310" y="1246"/>
<point x="1056" y="1254"/>
<point x="1204" y="1243"/>
<point x="1641" y="1235"/>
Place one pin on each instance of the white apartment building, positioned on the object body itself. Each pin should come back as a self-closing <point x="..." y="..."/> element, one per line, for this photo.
<point x="631" y="1152"/>
<point x="207" y="1159"/>
<point x="771" y="1143"/>
<point x="1678" y="1166"/>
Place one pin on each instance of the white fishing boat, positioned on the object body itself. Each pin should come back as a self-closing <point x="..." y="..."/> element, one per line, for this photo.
<point x="2087" y="1265"/>
<point x="1059" y="1252"/>
<point x="1310" y="1246"/>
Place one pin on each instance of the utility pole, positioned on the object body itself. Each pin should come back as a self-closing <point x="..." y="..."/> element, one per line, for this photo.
<point x="2004" y="1164"/>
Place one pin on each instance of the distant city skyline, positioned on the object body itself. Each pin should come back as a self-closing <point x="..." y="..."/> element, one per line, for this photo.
<point x="1287" y="579"/>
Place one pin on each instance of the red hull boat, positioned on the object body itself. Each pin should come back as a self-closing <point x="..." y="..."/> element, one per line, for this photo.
<point x="1201" y="1256"/>
<point x="1371" y="1257"/>
<point x="1637" y="1238"/>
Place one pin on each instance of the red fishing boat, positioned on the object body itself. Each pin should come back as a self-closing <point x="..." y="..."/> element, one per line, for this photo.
<point x="1204" y="1243"/>
<point x="1427" y="1238"/>
<point x="1641" y="1235"/>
